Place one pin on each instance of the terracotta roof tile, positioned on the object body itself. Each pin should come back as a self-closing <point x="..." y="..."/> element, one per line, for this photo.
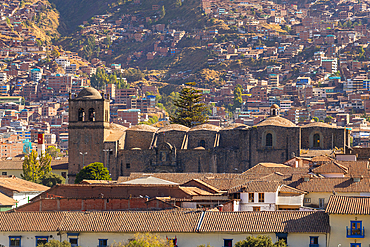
<point x="165" y="221"/>
<point x="16" y="184"/>
<point x="331" y="167"/>
<point x="256" y="186"/>
<point x="344" y="184"/>
<point x="267" y="221"/>
<point x="348" y="205"/>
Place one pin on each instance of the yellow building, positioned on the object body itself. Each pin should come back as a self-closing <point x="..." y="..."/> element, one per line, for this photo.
<point x="188" y="228"/>
<point x="349" y="217"/>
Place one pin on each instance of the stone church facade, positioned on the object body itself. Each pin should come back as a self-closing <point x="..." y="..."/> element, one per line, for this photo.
<point x="176" y="148"/>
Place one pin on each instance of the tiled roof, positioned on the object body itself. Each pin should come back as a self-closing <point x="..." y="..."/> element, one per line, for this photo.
<point x="16" y="184"/>
<point x="34" y="221"/>
<point x="348" y="205"/>
<point x="6" y="200"/>
<point x="264" y="169"/>
<point x="266" y="221"/>
<point x="165" y="221"/>
<point x="256" y="186"/>
<point x="332" y="185"/>
<point x="194" y="191"/>
<point x="331" y="167"/>
<point x="321" y="158"/>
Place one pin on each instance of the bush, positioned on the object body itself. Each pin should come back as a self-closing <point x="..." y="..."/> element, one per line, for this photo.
<point x="55" y="243"/>
<point x="94" y="171"/>
<point x="260" y="241"/>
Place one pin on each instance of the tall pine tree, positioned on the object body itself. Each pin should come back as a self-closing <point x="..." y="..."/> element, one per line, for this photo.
<point x="190" y="111"/>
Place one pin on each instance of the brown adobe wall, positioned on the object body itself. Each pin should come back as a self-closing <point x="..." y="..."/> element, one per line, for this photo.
<point x="286" y="141"/>
<point x="138" y="139"/>
<point x="329" y="137"/>
<point x="174" y="137"/>
<point x="196" y="136"/>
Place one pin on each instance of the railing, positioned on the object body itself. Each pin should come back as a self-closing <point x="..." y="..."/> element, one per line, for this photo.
<point x="355" y="233"/>
<point x="314" y="245"/>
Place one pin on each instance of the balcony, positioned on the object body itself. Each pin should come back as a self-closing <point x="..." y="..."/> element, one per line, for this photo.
<point x="355" y="233"/>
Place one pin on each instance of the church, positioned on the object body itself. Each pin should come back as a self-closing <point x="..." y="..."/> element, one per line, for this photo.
<point x="176" y="148"/>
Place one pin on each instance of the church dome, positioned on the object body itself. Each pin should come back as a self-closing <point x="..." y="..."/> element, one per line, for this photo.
<point x="89" y="93"/>
<point x="274" y="106"/>
<point x="277" y="121"/>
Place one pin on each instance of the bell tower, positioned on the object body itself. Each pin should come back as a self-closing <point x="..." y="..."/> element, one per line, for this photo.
<point x="87" y="130"/>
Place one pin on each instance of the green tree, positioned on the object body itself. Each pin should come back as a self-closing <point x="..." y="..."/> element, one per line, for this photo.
<point x="93" y="171"/>
<point x="316" y="119"/>
<point x="162" y="12"/>
<point x="190" y="111"/>
<point x="146" y="240"/>
<point x="34" y="166"/>
<point x="328" y="119"/>
<point x="53" y="151"/>
<point x="260" y="241"/>
<point x="51" y="179"/>
<point x="238" y="100"/>
<point x="55" y="243"/>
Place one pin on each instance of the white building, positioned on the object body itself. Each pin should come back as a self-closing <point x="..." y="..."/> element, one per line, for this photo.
<point x="266" y="196"/>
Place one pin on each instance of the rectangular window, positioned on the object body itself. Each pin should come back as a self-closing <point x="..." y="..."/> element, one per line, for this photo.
<point x="321" y="202"/>
<point x="228" y="242"/>
<point x="307" y="200"/>
<point x="355" y="245"/>
<point x="128" y="165"/>
<point x="103" y="242"/>
<point x="4" y="173"/>
<point x="256" y="209"/>
<point x="356" y="227"/>
<point x="261" y="197"/>
<point x="282" y="236"/>
<point x="73" y="242"/>
<point x="14" y="241"/>
<point x="251" y="197"/>
<point x="314" y="242"/>
<point x="41" y="240"/>
<point x="64" y="174"/>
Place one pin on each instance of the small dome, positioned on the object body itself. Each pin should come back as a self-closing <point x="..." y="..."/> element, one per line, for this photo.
<point x="143" y="127"/>
<point x="276" y="121"/>
<point x="275" y="106"/>
<point x="89" y="93"/>
<point x="205" y="127"/>
<point x="177" y="127"/>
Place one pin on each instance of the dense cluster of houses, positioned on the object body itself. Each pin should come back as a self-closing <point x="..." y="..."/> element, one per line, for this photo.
<point x="322" y="201"/>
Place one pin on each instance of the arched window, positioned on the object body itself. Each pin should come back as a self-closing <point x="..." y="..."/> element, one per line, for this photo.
<point x="81" y="114"/>
<point x="269" y="140"/>
<point x="202" y="143"/>
<point x="91" y="114"/>
<point x="316" y="140"/>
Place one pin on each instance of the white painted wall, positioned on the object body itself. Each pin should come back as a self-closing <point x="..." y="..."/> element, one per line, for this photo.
<point x="290" y="200"/>
<point x="24" y="197"/>
<point x="183" y="239"/>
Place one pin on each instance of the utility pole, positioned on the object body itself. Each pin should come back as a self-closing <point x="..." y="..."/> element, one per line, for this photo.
<point x="83" y="158"/>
